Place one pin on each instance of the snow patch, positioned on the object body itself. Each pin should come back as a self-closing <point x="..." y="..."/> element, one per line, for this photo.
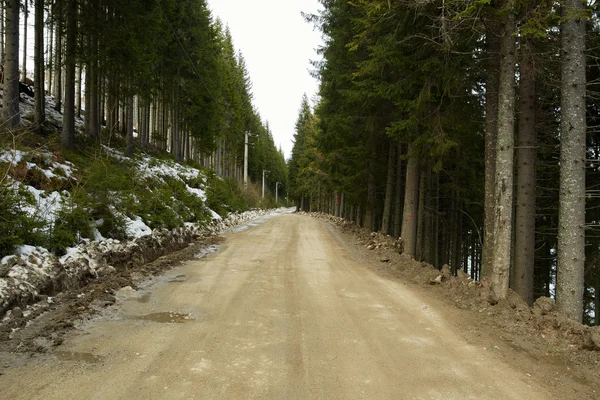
<point x="136" y="228"/>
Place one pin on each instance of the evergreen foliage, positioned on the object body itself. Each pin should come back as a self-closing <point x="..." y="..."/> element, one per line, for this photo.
<point x="419" y="75"/>
<point x="158" y="75"/>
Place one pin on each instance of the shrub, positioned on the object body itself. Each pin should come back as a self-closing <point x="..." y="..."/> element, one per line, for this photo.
<point x="72" y="222"/>
<point x="16" y="226"/>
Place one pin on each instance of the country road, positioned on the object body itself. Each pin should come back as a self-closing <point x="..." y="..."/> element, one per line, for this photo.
<point x="283" y="310"/>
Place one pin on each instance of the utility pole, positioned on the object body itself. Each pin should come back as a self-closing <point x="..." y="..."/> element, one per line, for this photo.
<point x="246" y="163"/>
<point x="276" y="192"/>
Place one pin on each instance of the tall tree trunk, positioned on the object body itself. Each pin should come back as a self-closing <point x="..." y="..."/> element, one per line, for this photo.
<point x="571" y="226"/>
<point x="371" y="189"/>
<point x="39" y="115"/>
<point x="2" y="31"/>
<point x="10" y="102"/>
<point x="500" y="274"/>
<point x="421" y="218"/>
<point x="436" y="224"/>
<point x="597" y="300"/>
<point x="78" y="97"/>
<point x="429" y="225"/>
<point x="94" y="127"/>
<point x="25" y="17"/>
<point x="399" y="200"/>
<point x="68" y="132"/>
<point x="526" y="161"/>
<point x="50" y="54"/>
<point x="389" y="190"/>
<point x="491" y="135"/>
<point x="130" y="142"/>
<point x="457" y="238"/>
<point x="58" y="59"/>
<point x="411" y="202"/>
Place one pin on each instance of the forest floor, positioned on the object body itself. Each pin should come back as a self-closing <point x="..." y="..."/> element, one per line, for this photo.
<point x="294" y="308"/>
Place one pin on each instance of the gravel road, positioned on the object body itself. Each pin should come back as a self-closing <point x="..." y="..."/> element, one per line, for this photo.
<point x="283" y="310"/>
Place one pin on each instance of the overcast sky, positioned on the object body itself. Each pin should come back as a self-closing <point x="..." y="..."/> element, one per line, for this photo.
<point x="277" y="45"/>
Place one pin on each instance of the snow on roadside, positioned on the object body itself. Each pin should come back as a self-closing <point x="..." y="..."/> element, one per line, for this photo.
<point x="34" y="270"/>
<point x="136" y="228"/>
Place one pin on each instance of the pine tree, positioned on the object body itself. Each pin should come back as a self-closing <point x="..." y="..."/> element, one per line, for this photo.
<point x="571" y="230"/>
<point x="10" y="102"/>
<point x="39" y="73"/>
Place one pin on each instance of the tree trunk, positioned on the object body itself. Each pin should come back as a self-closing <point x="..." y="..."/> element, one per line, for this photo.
<point x="421" y="218"/>
<point x="94" y="127"/>
<point x="526" y="161"/>
<point x="10" y="102"/>
<point x="68" y="132"/>
<point x="597" y="301"/>
<point x="436" y="224"/>
<point x="457" y="238"/>
<point x="2" y="32"/>
<point x="370" y="206"/>
<point x="429" y="225"/>
<point x="78" y="97"/>
<point x="411" y="201"/>
<point x="130" y="142"/>
<point x="389" y="191"/>
<point x="58" y="59"/>
<point x="25" y="17"/>
<point x="39" y="115"/>
<point x="50" y="62"/>
<point x="504" y="161"/>
<point x="399" y="200"/>
<point x="491" y="135"/>
<point x="571" y="226"/>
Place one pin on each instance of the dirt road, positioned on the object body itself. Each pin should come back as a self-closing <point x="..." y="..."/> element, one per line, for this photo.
<point x="282" y="311"/>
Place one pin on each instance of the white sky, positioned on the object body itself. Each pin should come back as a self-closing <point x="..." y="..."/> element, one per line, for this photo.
<point x="277" y="45"/>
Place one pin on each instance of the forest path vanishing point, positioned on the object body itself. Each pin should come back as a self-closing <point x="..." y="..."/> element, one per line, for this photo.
<point x="284" y="310"/>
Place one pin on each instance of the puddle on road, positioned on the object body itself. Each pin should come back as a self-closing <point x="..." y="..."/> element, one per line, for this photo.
<point x="167" y="317"/>
<point x="78" y="357"/>
<point x="178" y="278"/>
<point x="143" y="299"/>
<point x="207" y="251"/>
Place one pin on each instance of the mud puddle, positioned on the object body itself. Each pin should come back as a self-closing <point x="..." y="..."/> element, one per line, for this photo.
<point x="75" y="356"/>
<point x="178" y="279"/>
<point x="167" y="317"/>
<point x="144" y="299"/>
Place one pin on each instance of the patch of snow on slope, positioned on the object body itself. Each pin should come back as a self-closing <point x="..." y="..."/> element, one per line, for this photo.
<point x="10" y="156"/>
<point x="197" y="192"/>
<point x="214" y="215"/>
<point x="136" y="228"/>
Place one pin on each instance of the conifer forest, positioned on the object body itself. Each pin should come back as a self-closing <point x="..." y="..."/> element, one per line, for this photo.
<point x="162" y="75"/>
<point x="425" y="225"/>
<point x="469" y="130"/>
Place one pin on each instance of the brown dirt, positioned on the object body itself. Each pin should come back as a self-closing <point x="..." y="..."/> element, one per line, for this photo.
<point x="314" y="278"/>
<point x="54" y="316"/>
<point x="540" y="335"/>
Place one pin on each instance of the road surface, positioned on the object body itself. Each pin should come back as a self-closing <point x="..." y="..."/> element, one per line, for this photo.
<point x="282" y="311"/>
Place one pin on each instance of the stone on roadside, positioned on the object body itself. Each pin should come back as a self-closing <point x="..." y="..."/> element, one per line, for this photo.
<point x="543" y="306"/>
<point x="446" y="273"/>
<point x="17" y="312"/>
<point x="462" y="275"/>
<point x="595" y="336"/>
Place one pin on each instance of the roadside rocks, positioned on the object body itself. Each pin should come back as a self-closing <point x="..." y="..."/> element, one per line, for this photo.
<point x="543" y="306"/>
<point x="595" y="337"/>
